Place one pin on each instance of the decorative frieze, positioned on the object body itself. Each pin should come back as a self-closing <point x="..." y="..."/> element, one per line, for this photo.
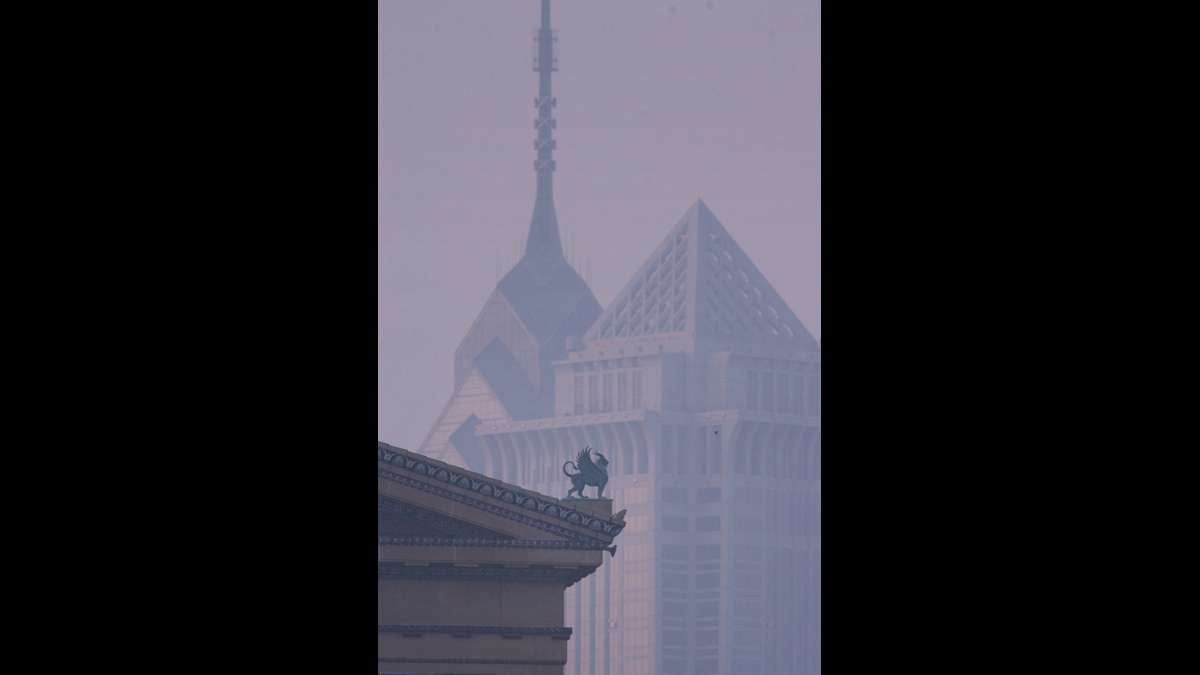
<point x="465" y="661"/>
<point x="564" y="575"/>
<point x="554" y="544"/>
<point x="452" y="529"/>
<point x="546" y="506"/>
<point x="521" y="631"/>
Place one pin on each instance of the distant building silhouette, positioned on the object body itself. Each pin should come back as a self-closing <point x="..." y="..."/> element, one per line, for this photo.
<point x="704" y="391"/>
<point x="503" y="368"/>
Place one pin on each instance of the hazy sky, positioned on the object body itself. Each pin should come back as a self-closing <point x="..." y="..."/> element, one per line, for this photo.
<point x="659" y="102"/>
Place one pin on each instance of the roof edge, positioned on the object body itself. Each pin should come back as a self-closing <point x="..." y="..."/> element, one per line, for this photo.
<point x="515" y="497"/>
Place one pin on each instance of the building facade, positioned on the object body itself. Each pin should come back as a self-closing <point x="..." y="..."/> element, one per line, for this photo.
<point x="472" y="570"/>
<point x="703" y="389"/>
<point x="503" y="368"/>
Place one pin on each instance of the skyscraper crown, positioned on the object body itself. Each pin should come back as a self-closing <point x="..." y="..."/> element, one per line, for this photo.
<point x="699" y="281"/>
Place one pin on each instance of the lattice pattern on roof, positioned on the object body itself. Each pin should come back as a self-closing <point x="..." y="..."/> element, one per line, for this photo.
<point x="656" y="300"/>
<point x="544" y="291"/>
<point x="736" y="300"/>
<point x="719" y="293"/>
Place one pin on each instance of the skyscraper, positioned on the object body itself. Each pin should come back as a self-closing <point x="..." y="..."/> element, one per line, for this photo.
<point x="503" y="368"/>
<point x="703" y="389"/>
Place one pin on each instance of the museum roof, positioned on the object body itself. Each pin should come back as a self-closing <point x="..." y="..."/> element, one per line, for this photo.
<point x="578" y="520"/>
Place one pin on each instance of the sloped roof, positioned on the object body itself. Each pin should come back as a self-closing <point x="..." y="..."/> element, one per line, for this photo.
<point x="506" y="380"/>
<point x="545" y="291"/>
<point x="568" y="519"/>
<point x="699" y="281"/>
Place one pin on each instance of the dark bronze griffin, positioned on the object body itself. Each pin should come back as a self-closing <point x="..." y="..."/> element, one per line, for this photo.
<point x="590" y="473"/>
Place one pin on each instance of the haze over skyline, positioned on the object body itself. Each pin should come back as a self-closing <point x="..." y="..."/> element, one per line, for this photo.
<point x="659" y="103"/>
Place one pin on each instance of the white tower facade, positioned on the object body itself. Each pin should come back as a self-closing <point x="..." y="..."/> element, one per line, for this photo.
<point x="704" y="391"/>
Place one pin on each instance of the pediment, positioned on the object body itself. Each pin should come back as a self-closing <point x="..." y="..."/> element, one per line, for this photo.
<point x="399" y="520"/>
<point x="442" y="496"/>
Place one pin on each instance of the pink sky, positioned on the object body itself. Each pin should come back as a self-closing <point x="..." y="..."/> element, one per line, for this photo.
<point x="659" y="102"/>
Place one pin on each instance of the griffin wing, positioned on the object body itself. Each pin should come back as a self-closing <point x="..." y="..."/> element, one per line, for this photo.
<point x="584" y="460"/>
<point x="586" y="466"/>
<point x="595" y="473"/>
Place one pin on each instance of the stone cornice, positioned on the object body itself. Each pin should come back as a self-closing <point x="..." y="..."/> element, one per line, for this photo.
<point x="561" y="422"/>
<point x="495" y="496"/>
<point x="447" y="527"/>
<point x="732" y="415"/>
<point x="471" y="661"/>
<point x="557" y="544"/>
<point x="506" y="631"/>
<point x="727" y="415"/>
<point x="557" y="574"/>
<point x="504" y="512"/>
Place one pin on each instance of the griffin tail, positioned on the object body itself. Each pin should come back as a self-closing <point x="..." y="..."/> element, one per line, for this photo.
<point x="569" y="463"/>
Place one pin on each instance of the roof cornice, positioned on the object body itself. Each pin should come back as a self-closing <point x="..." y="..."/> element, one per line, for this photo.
<point x="531" y="508"/>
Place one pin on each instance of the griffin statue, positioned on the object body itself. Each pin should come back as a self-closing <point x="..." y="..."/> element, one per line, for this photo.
<point x="590" y="472"/>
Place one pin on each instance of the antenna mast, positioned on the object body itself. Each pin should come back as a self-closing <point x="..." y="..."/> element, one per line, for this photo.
<point x="543" y="231"/>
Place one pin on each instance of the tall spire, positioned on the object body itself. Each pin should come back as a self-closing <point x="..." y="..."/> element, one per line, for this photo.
<point x="543" y="228"/>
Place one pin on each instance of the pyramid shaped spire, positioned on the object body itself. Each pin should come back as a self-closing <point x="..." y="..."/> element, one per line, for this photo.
<point x="699" y="281"/>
